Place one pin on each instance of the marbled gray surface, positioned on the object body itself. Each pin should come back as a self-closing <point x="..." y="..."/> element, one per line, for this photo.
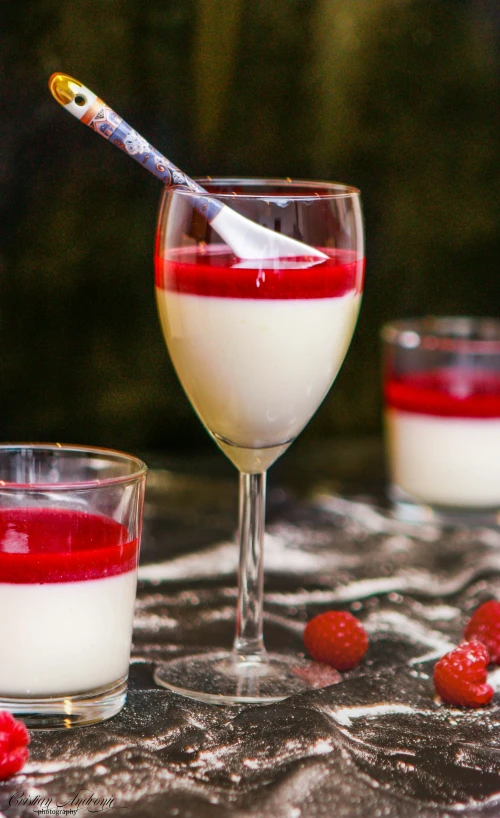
<point x="377" y="743"/>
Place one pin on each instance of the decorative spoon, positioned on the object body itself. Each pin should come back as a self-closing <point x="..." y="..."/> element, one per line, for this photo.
<point x="247" y="239"/>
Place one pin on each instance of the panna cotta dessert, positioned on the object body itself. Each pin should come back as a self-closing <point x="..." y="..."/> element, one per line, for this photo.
<point x="443" y="436"/>
<point x="67" y="592"/>
<point x="256" y="345"/>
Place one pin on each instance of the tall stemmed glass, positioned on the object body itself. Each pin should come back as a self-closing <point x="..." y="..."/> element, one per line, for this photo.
<point x="256" y="346"/>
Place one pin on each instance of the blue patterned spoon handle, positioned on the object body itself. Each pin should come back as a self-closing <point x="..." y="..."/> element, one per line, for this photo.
<point x="92" y="111"/>
<point x="246" y="238"/>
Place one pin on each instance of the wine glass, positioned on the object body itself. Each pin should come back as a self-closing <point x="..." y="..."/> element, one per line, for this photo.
<point x="256" y="346"/>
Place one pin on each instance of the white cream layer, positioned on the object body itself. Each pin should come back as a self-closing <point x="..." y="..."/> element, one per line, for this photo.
<point x="445" y="461"/>
<point x="256" y="370"/>
<point x="63" y="638"/>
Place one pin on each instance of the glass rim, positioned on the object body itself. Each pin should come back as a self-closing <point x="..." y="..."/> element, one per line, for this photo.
<point x="444" y="333"/>
<point x="300" y="189"/>
<point x="74" y="485"/>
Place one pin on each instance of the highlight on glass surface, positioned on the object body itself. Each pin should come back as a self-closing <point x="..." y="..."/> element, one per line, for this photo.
<point x="257" y="345"/>
<point x="70" y="527"/>
<point x="442" y="417"/>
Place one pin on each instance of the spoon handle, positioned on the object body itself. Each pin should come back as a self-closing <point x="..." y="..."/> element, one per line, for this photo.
<point x="92" y="111"/>
<point x="247" y="239"/>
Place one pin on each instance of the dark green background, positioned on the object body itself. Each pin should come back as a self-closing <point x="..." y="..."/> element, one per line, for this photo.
<point x="400" y="98"/>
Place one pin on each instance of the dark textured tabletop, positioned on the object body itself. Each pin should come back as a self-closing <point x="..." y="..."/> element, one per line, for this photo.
<point x="375" y="743"/>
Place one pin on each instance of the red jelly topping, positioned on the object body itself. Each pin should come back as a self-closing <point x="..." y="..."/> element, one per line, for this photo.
<point x="214" y="272"/>
<point x="40" y="545"/>
<point x="460" y="393"/>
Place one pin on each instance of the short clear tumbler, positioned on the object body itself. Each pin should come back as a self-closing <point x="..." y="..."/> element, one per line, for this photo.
<point x="442" y="418"/>
<point x="70" y="527"/>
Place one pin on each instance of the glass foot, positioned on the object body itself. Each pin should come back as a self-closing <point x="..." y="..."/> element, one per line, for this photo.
<point x="224" y="678"/>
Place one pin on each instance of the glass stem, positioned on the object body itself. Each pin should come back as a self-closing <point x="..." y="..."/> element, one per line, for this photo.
<point x="249" y="643"/>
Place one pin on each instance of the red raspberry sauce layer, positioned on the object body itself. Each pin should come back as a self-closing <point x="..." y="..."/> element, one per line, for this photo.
<point x="59" y="545"/>
<point x="458" y="393"/>
<point x="213" y="272"/>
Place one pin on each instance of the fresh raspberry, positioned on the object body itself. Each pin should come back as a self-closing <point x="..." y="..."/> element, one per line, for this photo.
<point x="460" y="676"/>
<point x="485" y="627"/>
<point x="14" y="739"/>
<point x="336" y="638"/>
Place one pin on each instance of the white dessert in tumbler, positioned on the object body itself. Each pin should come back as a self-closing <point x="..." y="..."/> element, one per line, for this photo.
<point x="443" y="433"/>
<point x="67" y="591"/>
